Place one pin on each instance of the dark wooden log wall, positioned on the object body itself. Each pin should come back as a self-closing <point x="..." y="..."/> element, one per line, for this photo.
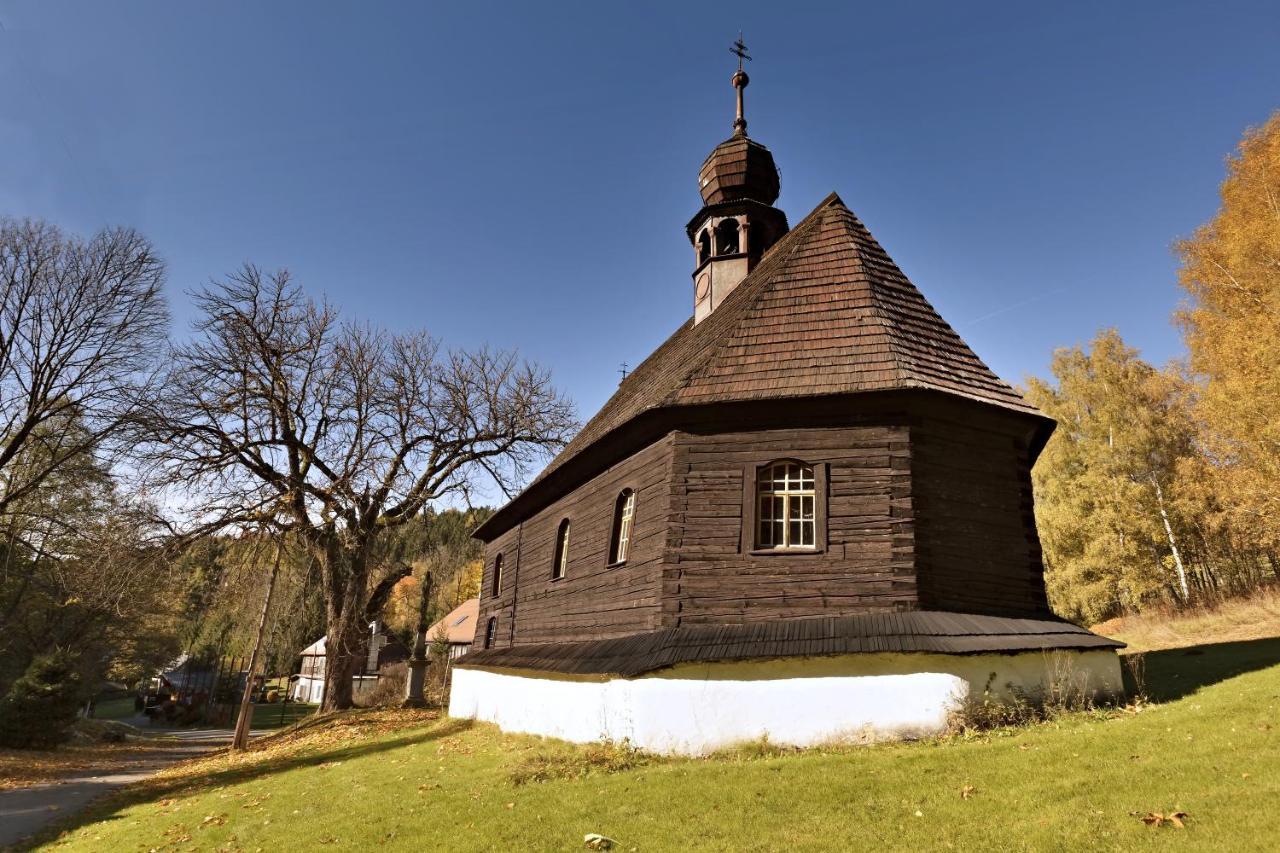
<point x="593" y="600"/>
<point x="929" y="513"/>
<point x="866" y="566"/>
<point x="977" y="548"/>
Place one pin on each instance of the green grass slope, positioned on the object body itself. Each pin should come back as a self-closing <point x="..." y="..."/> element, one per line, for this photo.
<point x="1210" y="748"/>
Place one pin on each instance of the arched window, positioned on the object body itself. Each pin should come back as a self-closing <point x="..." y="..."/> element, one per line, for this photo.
<point x="704" y="246"/>
<point x="623" y="513"/>
<point x="490" y="632"/>
<point x="727" y="237"/>
<point x="497" y="574"/>
<point x="562" y="551"/>
<point x="786" y="504"/>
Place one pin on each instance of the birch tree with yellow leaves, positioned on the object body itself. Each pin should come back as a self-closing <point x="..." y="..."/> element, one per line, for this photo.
<point x="1231" y="272"/>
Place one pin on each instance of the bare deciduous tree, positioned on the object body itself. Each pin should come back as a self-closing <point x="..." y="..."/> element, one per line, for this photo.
<point x="81" y="323"/>
<point x="276" y="413"/>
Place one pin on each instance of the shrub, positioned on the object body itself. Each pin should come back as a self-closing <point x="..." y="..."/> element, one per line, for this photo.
<point x="1065" y="691"/>
<point x="604" y="757"/>
<point x="101" y="731"/>
<point x="389" y="691"/>
<point x="41" y="705"/>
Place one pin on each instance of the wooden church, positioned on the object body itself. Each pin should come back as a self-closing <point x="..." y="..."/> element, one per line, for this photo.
<point x="807" y="515"/>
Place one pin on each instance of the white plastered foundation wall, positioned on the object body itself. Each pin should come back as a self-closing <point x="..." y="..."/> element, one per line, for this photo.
<point x="698" y="708"/>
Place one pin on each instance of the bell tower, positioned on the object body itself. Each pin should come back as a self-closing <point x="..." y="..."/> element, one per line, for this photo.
<point x="738" y="222"/>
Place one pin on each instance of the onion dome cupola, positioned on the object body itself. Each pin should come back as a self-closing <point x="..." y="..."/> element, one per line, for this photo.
<point x="738" y="222"/>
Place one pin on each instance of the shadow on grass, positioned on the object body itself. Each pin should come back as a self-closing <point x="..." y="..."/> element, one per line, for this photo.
<point x="1174" y="673"/>
<point x="110" y="807"/>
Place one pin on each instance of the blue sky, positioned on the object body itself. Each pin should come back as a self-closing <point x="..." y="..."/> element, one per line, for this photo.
<point x="520" y="174"/>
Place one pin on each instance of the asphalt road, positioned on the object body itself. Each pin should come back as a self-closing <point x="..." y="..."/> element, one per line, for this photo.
<point x="26" y="811"/>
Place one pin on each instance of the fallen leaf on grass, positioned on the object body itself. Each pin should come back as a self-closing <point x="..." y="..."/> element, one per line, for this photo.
<point x="596" y="841"/>
<point x="1160" y="819"/>
<point x="967" y="791"/>
<point x="214" y="820"/>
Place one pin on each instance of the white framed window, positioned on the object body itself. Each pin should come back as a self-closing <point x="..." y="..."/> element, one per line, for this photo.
<point x="490" y="632"/>
<point x="786" y="506"/>
<point x="561" y="562"/>
<point x="624" y="513"/>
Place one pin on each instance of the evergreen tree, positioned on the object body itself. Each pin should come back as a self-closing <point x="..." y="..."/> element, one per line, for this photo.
<point x="41" y="705"/>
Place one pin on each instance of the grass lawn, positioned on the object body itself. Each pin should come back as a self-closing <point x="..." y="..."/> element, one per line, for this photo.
<point x="277" y="714"/>
<point x="118" y="708"/>
<point x="411" y="781"/>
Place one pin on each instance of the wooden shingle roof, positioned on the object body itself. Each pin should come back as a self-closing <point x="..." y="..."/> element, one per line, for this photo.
<point x="738" y="168"/>
<point x="918" y="631"/>
<point x="826" y="311"/>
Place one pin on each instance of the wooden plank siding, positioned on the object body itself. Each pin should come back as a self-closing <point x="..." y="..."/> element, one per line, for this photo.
<point x="977" y="548"/>
<point x="865" y="564"/>
<point x="921" y="513"/>
<point x="593" y="600"/>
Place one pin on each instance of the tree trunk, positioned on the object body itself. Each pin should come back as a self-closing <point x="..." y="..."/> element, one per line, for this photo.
<point x="345" y="577"/>
<point x="1173" y="542"/>
<point x="344" y="647"/>
<point x="241" y="738"/>
<point x="348" y="637"/>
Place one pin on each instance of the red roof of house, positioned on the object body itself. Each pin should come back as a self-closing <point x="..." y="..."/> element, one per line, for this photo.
<point x="459" y="624"/>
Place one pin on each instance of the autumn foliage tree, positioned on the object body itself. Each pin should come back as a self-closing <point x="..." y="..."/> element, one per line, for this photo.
<point x="441" y="543"/>
<point x="1164" y="485"/>
<point x="1128" y="504"/>
<point x="1231" y="272"/>
<point x="1108" y="505"/>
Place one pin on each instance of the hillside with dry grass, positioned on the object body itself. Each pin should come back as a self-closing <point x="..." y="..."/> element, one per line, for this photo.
<point x="1234" y="620"/>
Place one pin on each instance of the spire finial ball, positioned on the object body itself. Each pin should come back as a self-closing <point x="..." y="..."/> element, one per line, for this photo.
<point x="740" y="79"/>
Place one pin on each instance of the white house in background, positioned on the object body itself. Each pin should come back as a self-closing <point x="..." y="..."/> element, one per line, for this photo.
<point x="384" y="649"/>
<point x="458" y="626"/>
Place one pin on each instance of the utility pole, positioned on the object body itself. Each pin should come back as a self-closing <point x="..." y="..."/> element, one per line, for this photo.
<point x="241" y="738"/>
<point x="417" y="680"/>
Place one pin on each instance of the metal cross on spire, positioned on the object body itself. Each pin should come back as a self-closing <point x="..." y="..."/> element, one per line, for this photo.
<point x="739" y="50"/>
<point x="740" y="81"/>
